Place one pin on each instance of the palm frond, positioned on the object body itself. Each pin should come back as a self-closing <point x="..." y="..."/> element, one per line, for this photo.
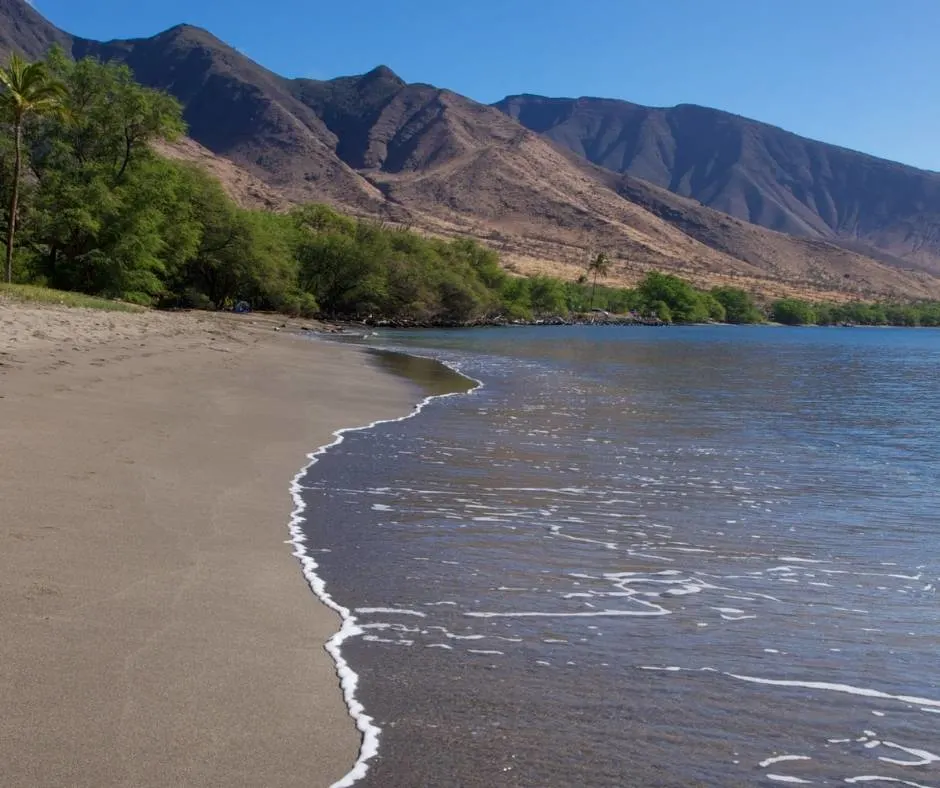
<point x="28" y="88"/>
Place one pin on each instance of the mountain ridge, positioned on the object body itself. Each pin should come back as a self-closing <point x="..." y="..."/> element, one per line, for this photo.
<point x="728" y="113"/>
<point x="753" y="170"/>
<point x="432" y="159"/>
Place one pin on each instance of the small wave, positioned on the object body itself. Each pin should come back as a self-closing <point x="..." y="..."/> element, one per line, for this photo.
<point x="395" y="611"/>
<point x="781" y="758"/>
<point x="874" y="778"/>
<point x="849" y="689"/>
<point x="585" y="614"/>
<point x="349" y="679"/>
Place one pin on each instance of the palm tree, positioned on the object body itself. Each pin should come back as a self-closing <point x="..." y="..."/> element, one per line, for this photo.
<point x="599" y="266"/>
<point x="25" y="89"/>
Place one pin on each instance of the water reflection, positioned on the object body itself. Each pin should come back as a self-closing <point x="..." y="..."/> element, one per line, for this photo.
<point x="433" y="378"/>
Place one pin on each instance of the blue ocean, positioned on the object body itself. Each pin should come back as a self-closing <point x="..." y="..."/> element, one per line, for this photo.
<point x="692" y="556"/>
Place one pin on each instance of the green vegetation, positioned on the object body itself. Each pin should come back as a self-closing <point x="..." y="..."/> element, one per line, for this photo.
<point x="792" y="311"/>
<point x="599" y="266"/>
<point x="672" y="299"/>
<point x="738" y="305"/>
<point x="27" y="90"/>
<point x="92" y="210"/>
<point x="30" y="294"/>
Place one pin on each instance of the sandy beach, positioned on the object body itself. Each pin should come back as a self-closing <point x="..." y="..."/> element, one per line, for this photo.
<point x="155" y="628"/>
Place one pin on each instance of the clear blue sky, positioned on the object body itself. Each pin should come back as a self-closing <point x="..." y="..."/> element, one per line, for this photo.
<point x="859" y="73"/>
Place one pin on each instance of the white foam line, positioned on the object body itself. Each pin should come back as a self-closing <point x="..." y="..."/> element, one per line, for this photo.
<point x="924" y="758"/>
<point x="348" y="679"/>
<point x="399" y="611"/>
<point x="929" y="703"/>
<point x="795" y="560"/>
<point x="781" y="758"/>
<point x="874" y="778"/>
<point x="846" y="688"/>
<point x="591" y="614"/>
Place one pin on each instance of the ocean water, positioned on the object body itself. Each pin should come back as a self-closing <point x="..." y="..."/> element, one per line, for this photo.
<point x="645" y="557"/>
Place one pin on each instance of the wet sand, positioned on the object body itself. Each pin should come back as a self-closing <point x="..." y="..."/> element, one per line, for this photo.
<point x="155" y="628"/>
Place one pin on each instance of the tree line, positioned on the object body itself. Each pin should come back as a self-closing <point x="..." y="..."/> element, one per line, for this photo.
<point x="797" y="312"/>
<point x="90" y="207"/>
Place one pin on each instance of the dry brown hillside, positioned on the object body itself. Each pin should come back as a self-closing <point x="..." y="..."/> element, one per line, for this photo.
<point x="247" y="190"/>
<point x="753" y="171"/>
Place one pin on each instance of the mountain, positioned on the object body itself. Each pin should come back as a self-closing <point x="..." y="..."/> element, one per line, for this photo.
<point x="753" y="171"/>
<point x="429" y="158"/>
<point x="445" y="158"/>
<point x="23" y="29"/>
<point x="240" y="110"/>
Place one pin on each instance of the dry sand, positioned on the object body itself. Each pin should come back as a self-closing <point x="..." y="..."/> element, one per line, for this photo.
<point x="154" y="628"/>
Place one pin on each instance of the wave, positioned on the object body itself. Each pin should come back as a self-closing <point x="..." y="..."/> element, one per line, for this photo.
<point x="349" y="679"/>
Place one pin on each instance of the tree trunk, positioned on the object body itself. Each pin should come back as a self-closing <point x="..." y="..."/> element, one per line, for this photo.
<point x="51" y="263"/>
<point x="14" y="199"/>
<point x="127" y="157"/>
<point x="593" y="290"/>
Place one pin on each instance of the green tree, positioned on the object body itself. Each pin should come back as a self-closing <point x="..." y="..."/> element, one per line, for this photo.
<point x="547" y="296"/>
<point x="792" y="312"/>
<point x="862" y="314"/>
<point x="319" y="218"/>
<point x="928" y="314"/>
<point x="347" y="276"/>
<point x="621" y="300"/>
<point x="209" y="276"/>
<point x="738" y="304"/>
<point x="27" y="89"/>
<point x="123" y="241"/>
<point x="241" y="255"/>
<point x="483" y="262"/>
<point x="686" y="304"/>
<point x="599" y="266"/>
<point x="826" y="314"/>
<point x="577" y="295"/>
<point x="516" y="298"/>
<point x="458" y="301"/>
<point x="271" y="268"/>
<point x="716" y="310"/>
<point x="109" y="216"/>
<point x="902" y="315"/>
<point x="661" y="310"/>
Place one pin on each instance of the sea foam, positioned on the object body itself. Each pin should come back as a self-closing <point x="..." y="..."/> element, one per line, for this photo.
<point x="349" y="627"/>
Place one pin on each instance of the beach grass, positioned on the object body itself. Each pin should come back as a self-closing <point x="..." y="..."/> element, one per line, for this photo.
<point x="31" y="294"/>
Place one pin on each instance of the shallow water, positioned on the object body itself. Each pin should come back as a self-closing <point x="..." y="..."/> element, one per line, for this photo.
<point x="702" y="556"/>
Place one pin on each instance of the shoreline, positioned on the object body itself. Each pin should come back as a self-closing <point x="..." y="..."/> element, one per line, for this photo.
<point x="157" y="630"/>
<point x="349" y="627"/>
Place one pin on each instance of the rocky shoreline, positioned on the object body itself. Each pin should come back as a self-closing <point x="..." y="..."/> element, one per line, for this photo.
<point x="555" y="320"/>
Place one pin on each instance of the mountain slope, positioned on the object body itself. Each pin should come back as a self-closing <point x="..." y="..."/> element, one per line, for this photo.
<point x="24" y="30"/>
<point x="753" y="171"/>
<point x="448" y="158"/>
<point x="239" y="110"/>
<point x="430" y="158"/>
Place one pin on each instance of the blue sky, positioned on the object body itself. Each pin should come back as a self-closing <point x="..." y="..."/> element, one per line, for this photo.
<point x="859" y="73"/>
